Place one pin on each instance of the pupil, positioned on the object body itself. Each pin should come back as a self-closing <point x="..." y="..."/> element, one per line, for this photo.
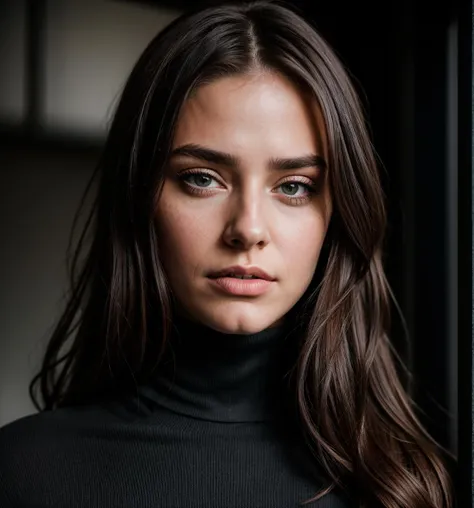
<point x="292" y="188"/>
<point x="202" y="180"/>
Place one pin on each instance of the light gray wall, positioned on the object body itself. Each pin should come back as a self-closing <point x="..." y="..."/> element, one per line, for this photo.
<point x="91" y="47"/>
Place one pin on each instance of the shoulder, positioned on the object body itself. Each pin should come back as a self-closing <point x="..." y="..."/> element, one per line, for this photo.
<point x="20" y="444"/>
<point x="27" y="430"/>
<point x="41" y="430"/>
<point x="33" y="445"/>
<point x="25" y="423"/>
<point x="37" y="433"/>
<point x="46" y="424"/>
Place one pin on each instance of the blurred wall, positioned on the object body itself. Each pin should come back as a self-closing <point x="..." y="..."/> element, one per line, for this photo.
<point x="89" y="47"/>
<point x="12" y="60"/>
<point x="40" y="192"/>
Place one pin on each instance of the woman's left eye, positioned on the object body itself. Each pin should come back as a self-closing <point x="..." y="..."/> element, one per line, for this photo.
<point x="290" y="189"/>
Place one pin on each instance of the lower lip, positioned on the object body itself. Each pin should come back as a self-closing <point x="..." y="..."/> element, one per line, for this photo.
<point x="242" y="287"/>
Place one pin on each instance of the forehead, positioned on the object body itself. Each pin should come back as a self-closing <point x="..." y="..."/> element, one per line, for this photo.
<point x="252" y="116"/>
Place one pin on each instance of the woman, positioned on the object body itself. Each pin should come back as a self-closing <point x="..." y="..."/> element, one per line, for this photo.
<point x="229" y="323"/>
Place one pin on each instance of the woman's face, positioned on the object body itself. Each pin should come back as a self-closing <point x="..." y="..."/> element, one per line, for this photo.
<point x="245" y="186"/>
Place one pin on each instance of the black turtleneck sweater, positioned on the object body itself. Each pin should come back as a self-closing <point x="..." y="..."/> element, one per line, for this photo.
<point x="213" y="430"/>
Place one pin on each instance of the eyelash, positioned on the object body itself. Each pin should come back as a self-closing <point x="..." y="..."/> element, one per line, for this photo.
<point x="202" y="191"/>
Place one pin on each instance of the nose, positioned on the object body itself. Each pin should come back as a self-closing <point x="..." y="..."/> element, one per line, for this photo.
<point x="247" y="226"/>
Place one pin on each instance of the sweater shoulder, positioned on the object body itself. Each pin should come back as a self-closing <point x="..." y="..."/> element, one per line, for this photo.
<point x="32" y="444"/>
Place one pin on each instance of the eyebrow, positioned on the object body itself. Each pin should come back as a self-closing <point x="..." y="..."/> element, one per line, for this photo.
<point x="231" y="161"/>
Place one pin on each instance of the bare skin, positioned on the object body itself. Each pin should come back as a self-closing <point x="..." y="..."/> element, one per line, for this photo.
<point x="215" y="213"/>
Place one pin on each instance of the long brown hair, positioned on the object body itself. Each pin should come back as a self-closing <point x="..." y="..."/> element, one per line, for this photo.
<point x="355" y="414"/>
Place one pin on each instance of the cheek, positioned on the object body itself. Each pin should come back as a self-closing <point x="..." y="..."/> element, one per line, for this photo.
<point x="301" y="245"/>
<point x="184" y="235"/>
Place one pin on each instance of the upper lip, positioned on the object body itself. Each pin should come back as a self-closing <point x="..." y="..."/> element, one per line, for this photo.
<point x="242" y="270"/>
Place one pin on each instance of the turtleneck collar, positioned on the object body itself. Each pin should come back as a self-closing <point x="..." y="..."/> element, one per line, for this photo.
<point x="225" y="377"/>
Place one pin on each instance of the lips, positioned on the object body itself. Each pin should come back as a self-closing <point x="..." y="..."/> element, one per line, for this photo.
<point x="241" y="287"/>
<point x="242" y="271"/>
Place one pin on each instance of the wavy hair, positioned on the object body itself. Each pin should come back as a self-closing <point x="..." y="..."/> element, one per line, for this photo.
<point x="356" y="416"/>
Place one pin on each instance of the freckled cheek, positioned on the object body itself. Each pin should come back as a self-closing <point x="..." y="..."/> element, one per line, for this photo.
<point x="185" y="236"/>
<point x="302" y="244"/>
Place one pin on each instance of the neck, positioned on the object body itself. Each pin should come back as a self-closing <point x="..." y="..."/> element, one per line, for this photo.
<point x="226" y="377"/>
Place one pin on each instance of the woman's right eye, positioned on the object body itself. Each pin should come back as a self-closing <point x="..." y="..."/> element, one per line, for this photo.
<point x="199" y="182"/>
<point x="198" y="179"/>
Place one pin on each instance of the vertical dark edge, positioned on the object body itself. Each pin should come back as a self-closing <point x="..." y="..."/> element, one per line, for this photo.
<point x="35" y="57"/>
<point x="465" y="479"/>
<point x="430" y="340"/>
<point x="451" y="231"/>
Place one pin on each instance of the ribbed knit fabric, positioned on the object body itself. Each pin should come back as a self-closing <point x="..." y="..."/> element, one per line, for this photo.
<point x="214" y="429"/>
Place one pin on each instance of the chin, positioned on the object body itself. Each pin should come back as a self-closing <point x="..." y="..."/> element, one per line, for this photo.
<point x="240" y="329"/>
<point x="241" y="323"/>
